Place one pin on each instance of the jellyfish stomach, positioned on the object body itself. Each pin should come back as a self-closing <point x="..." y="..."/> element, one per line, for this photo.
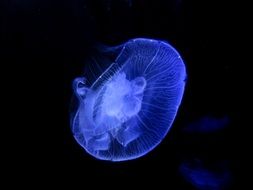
<point x="111" y="118"/>
<point x="123" y="98"/>
<point x="121" y="103"/>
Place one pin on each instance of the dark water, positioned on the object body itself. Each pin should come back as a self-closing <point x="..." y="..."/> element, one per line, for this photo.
<point x="44" y="45"/>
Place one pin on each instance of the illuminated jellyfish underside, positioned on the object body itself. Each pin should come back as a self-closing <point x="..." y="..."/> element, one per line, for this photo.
<point x="130" y="106"/>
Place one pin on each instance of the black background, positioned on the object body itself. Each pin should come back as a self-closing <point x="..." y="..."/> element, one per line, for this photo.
<point x="44" y="45"/>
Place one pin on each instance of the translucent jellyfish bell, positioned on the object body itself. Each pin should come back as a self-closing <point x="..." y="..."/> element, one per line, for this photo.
<point x="127" y="106"/>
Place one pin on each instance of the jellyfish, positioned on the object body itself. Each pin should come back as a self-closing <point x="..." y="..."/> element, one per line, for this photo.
<point x="203" y="176"/>
<point x="127" y="102"/>
<point x="208" y="124"/>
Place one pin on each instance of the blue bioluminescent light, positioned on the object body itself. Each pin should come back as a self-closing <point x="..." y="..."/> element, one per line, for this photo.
<point x="127" y="106"/>
<point x="207" y="124"/>
<point x="215" y="177"/>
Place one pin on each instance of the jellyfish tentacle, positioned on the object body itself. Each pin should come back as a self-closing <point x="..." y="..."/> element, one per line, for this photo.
<point x="80" y="88"/>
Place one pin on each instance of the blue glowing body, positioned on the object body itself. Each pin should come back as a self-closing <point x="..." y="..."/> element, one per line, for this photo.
<point x="130" y="106"/>
<point x="202" y="178"/>
<point x="207" y="124"/>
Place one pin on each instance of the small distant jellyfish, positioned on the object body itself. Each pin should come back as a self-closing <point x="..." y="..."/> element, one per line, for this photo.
<point x="208" y="124"/>
<point x="216" y="177"/>
<point x="126" y="106"/>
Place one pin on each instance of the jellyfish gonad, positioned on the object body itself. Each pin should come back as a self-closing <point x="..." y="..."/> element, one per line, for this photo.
<point x="128" y="108"/>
